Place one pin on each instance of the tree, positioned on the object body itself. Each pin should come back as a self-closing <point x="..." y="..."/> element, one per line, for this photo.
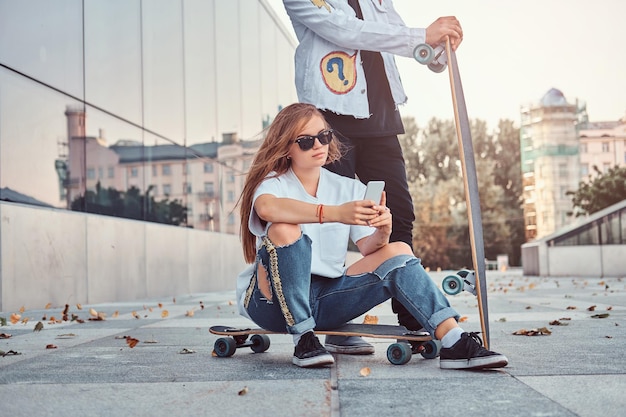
<point x="131" y="205"/>
<point x="602" y="191"/>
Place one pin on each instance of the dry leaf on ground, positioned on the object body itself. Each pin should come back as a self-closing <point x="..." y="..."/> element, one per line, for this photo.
<point x="244" y="391"/>
<point x="365" y="371"/>
<point x="370" y="319"/>
<point x="131" y="341"/>
<point x="543" y="331"/>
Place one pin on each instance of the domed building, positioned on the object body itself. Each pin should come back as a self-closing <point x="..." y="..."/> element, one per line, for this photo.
<point x="550" y="162"/>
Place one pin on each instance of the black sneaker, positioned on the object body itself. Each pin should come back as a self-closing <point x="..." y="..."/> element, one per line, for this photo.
<point x="310" y="352"/>
<point x="469" y="353"/>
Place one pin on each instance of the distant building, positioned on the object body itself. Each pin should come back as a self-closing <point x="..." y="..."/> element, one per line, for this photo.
<point x="603" y="145"/>
<point x="550" y="162"/>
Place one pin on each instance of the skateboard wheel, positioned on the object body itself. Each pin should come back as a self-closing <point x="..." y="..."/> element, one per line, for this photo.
<point x="225" y="347"/>
<point x="424" y="53"/>
<point x="431" y="349"/>
<point x="260" y="343"/>
<point x="437" y="67"/>
<point x="452" y="284"/>
<point x="399" y="353"/>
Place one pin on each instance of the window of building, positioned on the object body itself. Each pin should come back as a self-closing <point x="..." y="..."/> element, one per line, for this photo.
<point x="606" y="167"/>
<point x="209" y="189"/>
<point x="584" y="169"/>
<point x="134" y="172"/>
<point x="91" y="173"/>
<point x="167" y="190"/>
<point x="184" y="169"/>
<point x="111" y="172"/>
<point x="187" y="187"/>
<point x="231" y="219"/>
<point x="231" y="196"/>
<point x="100" y="173"/>
<point x="208" y="167"/>
<point x="155" y="171"/>
<point x="230" y="177"/>
<point x="610" y="230"/>
<point x="166" y="169"/>
<point x="562" y="170"/>
<point x="583" y="148"/>
<point x="605" y="146"/>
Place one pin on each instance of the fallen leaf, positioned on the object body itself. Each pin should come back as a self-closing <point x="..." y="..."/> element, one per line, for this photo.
<point x="93" y="312"/>
<point x="66" y="336"/>
<point x="365" y="371"/>
<point x="15" y="318"/>
<point x="115" y="314"/>
<point x="48" y="305"/>
<point x="609" y="308"/>
<point x="370" y="319"/>
<point x="51" y="346"/>
<point x="244" y="391"/>
<point x="571" y="307"/>
<point x="135" y="315"/>
<point x="25" y="320"/>
<point x="189" y="313"/>
<point x="160" y="305"/>
<point x="213" y="353"/>
<point x="5" y="335"/>
<point x="591" y="308"/>
<point x="131" y="341"/>
<point x="38" y="327"/>
<point x="558" y="323"/>
<point x="164" y="314"/>
<point x="174" y="300"/>
<point x="533" y="332"/>
<point x="201" y="305"/>
<point x="79" y="306"/>
<point x="150" y="341"/>
<point x="9" y="353"/>
<point x="22" y="310"/>
<point x="186" y="351"/>
<point x="600" y="316"/>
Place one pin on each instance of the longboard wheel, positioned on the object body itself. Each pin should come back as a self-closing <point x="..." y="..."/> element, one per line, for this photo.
<point x="424" y="53"/>
<point x="260" y="343"/>
<point x="432" y="348"/>
<point x="399" y="353"/>
<point x="225" y="347"/>
<point x="452" y="284"/>
<point x="437" y="67"/>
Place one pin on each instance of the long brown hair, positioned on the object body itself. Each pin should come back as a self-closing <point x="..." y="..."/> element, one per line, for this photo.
<point x="272" y="157"/>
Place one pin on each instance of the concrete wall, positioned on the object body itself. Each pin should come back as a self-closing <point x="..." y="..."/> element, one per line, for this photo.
<point x="58" y="257"/>
<point x="574" y="261"/>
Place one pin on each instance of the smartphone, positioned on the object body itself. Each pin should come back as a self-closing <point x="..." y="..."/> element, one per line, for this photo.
<point x="374" y="191"/>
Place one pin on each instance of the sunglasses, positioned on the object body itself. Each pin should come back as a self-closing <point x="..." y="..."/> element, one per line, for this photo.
<point x="307" y="142"/>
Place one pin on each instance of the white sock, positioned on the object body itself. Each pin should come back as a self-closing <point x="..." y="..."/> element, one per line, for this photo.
<point x="451" y="337"/>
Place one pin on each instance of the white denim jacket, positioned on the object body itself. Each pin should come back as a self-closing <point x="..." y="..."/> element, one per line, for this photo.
<point x="328" y="66"/>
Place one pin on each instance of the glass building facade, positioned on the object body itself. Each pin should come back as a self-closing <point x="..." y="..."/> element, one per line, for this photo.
<point x="138" y="109"/>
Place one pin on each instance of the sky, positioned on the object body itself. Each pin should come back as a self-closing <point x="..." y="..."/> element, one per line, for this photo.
<point x="513" y="52"/>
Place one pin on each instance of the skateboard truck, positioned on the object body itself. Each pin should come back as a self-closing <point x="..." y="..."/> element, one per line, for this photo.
<point x="462" y="280"/>
<point x="435" y="58"/>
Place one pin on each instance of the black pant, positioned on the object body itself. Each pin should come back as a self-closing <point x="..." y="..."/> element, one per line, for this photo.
<point x="381" y="158"/>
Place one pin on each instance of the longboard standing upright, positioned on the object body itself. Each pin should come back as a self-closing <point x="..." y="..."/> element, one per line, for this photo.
<point x="473" y="281"/>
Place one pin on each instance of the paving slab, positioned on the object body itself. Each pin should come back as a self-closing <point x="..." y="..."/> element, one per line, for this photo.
<point x="579" y="369"/>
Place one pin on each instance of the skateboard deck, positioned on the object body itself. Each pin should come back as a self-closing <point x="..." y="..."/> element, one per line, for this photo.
<point x="473" y="281"/>
<point x="398" y="353"/>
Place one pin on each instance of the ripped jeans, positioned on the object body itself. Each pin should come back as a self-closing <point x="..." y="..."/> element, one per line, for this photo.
<point x="301" y="301"/>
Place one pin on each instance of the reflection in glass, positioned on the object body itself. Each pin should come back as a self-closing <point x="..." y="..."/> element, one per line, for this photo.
<point x="113" y="57"/>
<point x="33" y="140"/>
<point x="44" y="40"/>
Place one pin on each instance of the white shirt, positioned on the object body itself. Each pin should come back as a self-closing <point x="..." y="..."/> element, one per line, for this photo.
<point x="329" y="240"/>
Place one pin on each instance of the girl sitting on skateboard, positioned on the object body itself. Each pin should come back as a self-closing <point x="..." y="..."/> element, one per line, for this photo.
<point x="297" y="219"/>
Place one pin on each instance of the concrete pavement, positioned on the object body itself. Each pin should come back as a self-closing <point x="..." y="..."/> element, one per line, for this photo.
<point x="577" y="370"/>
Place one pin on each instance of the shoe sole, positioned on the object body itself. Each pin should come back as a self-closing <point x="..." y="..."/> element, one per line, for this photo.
<point x="320" y="360"/>
<point x="350" y="350"/>
<point x="487" y="362"/>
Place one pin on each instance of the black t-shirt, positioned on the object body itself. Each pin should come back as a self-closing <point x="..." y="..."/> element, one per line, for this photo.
<point x="385" y="119"/>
